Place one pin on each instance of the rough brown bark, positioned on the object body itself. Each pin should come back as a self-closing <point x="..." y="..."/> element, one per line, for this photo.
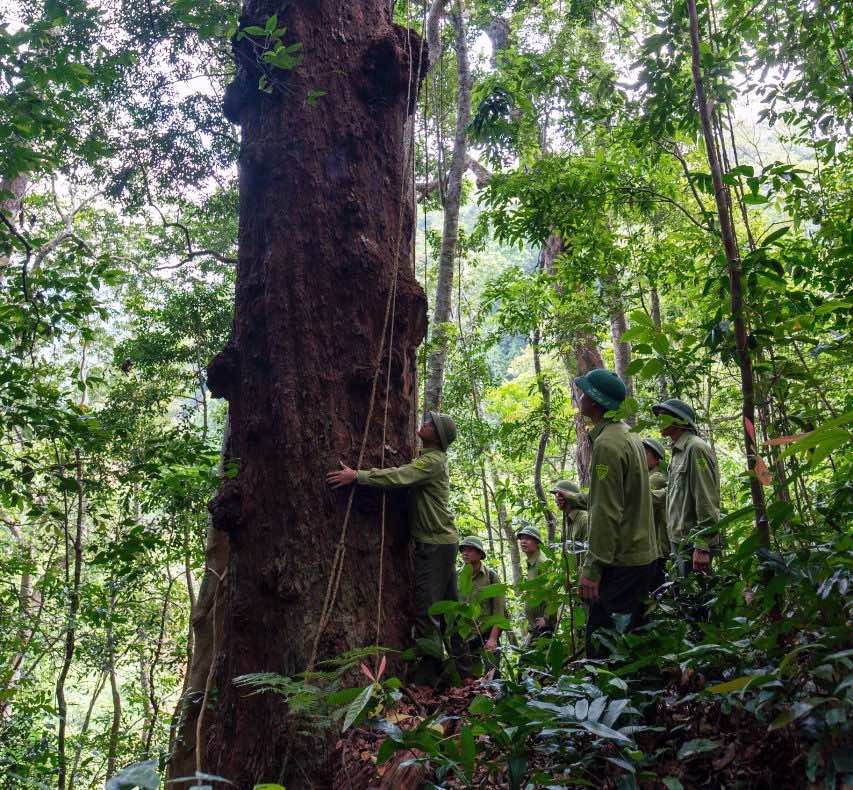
<point x="587" y="358"/>
<point x="322" y="227"/>
<point x="730" y="247"/>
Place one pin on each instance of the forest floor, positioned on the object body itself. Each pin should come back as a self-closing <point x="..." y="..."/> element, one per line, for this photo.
<point x="735" y="750"/>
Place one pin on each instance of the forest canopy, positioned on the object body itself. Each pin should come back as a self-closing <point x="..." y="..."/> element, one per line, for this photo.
<point x="659" y="188"/>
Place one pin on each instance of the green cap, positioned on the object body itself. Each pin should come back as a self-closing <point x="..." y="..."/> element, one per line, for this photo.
<point x="530" y="531"/>
<point x="445" y="427"/>
<point x="655" y="446"/>
<point x="604" y="387"/>
<point x="565" y="487"/>
<point x="572" y="492"/>
<point x="678" y="409"/>
<point x="475" y="543"/>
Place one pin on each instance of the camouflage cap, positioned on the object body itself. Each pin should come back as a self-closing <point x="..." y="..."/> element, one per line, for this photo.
<point x="474" y="542"/>
<point x="530" y="532"/>
<point x="655" y="446"/>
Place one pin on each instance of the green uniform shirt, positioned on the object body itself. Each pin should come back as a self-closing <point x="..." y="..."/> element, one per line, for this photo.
<point x="657" y="483"/>
<point x="429" y="491"/>
<point x="693" y="493"/>
<point x="621" y="525"/>
<point x="536" y="567"/>
<point x="490" y="606"/>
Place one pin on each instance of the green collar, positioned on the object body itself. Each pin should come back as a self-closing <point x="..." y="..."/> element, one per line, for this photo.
<point x="681" y="444"/>
<point x="596" y="431"/>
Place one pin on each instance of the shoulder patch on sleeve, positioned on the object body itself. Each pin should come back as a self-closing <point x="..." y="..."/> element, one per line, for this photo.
<point x="601" y="471"/>
<point x="423" y="462"/>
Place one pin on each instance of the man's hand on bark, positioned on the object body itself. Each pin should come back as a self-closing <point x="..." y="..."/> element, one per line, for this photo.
<point x="344" y="477"/>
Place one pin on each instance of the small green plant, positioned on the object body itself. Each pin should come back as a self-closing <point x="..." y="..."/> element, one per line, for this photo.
<point x="319" y="699"/>
<point x="271" y="53"/>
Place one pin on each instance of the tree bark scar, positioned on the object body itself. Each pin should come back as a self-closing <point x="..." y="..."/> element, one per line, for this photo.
<point x="223" y="372"/>
<point x="387" y="66"/>
<point x="226" y="508"/>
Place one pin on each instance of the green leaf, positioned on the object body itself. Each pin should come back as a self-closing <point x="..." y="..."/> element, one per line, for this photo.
<point x="254" y="30"/>
<point x="481" y="704"/>
<point x="603" y="731"/>
<point x="775" y="236"/>
<point x="796" y="711"/>
<point x="269" y="786"/>
<point x="596" y="708"/>
<point x="652" y="368"/>
<point x="697" y="746"/>
<point x="755" y="199"/>
<point x="444" y="607"/>
<point x="357" y="706"/>
<point x="468" y="751"/>
<point x="490" y="591"/>
<point x="343" y="697"/>
<point x="635" y="333"/>
<point x="141" y="775"/>
<point x="732" y="685"/>
<point x="272" y="23"/>
<point x="660" y="343"/>
<point x="829" y="307"/>
<point x="672" y="783"/>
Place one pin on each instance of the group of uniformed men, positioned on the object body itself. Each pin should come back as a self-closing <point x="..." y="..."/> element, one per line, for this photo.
<point x="634" y="519"/>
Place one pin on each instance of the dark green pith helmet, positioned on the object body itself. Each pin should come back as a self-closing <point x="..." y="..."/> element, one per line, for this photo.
<point x="572" y="492"/>
<point x="530" y="532"/>
<point x="679" y="409"/>
<point x="566" y="487"/>
<point x="475" y="543"/>
<point x="604" y="387"/>
<point x="656" y="447"/>
<point x="445" y="427"/>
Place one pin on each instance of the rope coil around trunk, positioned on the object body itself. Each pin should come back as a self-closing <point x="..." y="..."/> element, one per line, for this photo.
<point x="389" y="320"/>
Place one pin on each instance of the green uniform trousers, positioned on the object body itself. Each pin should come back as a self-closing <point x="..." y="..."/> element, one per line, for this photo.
<point x="622" y="590"/>
<point x="435" y="580"/>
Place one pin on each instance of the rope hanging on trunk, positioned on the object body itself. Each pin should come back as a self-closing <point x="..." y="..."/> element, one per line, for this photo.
<point x="390" y="314"/>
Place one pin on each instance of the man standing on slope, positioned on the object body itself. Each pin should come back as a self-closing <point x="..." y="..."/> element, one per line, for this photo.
<point x="620" y="562"/>
<point x="484" y="643"/>
<point x="693" y="492"/>
<point x="431" y="523"/>
<point x="539" y="622"/>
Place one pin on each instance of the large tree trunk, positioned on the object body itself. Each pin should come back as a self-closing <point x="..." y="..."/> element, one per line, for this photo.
<point x="450" y="230"/>
<point x="323" y="227"/>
